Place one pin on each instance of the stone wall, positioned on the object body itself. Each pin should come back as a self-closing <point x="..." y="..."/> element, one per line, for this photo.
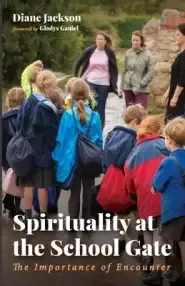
<point x="160" y="39"/>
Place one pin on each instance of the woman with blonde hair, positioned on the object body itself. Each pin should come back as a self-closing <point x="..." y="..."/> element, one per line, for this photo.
<point x="77" y="120"/>
<point x="38" y="120"/>
<point x="140" y="169"/>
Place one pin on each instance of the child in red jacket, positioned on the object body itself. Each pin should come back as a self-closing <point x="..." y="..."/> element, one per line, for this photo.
<point x="140" y="169"/>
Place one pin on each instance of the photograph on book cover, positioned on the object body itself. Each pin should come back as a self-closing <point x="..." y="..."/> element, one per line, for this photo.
<point x="93" y="102"/>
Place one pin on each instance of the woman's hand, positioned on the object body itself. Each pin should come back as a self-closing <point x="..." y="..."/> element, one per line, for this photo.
<point x="153" y="191"/>
<point x="173" y="101"/>
<point x="165" y="98"/>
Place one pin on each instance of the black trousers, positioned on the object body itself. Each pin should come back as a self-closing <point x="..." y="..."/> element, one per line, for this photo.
<point x="102" y="92"/>
<point x="80" y="186"/>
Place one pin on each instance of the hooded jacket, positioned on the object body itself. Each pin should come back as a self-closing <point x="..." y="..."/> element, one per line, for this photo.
<point x="39" y="120"/>
<point x="169" y="182"/>
<point x="138" y="70"/>
<point x="65" y="153"/>
<point x="140" y="169"/>
<point x="119" y="144"/>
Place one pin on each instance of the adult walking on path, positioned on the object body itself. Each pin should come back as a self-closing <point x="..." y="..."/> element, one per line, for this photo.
<point x="175" y="95"/>
<point x="99" y="69"/>
<point x="138" y="72"/>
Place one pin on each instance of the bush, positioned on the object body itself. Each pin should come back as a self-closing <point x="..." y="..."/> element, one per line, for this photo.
<point x="127" y="25"/>
<point x="57" y="50"/>
<point x="97" y="21"/>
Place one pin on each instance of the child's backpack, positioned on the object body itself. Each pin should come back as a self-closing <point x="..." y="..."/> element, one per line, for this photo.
<point x="113" y="196"/>
<point x="89" y="155"/>
<point x="9" y="185"/>
<point x="119" y="144"/>
<point x="96" y="208"/>
<point x="20" y="155"/>
<point x="19" y="152"/>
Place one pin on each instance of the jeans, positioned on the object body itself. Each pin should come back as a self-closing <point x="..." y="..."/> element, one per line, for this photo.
<point x="135" y="98"/>
<point x="101" y="93"/>
<point x="74" y="200"/>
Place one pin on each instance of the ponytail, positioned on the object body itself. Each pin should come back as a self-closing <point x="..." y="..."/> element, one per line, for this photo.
<point x="81" y="112"/>
<point x="150" y="125"/>
<point x="142" y="131"/>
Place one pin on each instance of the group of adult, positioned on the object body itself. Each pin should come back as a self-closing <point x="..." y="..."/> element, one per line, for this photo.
<point x="100" y="71"/>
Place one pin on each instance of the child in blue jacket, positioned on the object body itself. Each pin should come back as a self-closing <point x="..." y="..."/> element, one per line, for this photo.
<point x="122" y="139"/>
<point x="170" y="182"/>
<point x="65" y="151"/>
<point x="15" y="98"/>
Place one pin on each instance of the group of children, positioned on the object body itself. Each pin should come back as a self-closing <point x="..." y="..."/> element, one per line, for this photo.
<point x="153" y="155"/>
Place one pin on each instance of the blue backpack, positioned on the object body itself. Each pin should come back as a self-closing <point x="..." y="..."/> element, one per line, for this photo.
<point x="118" y="145"/>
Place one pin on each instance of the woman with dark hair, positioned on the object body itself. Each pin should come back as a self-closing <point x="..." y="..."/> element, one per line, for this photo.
<point x="175" y="94"/>
<point x="138" y="72"/>
<point x="99" y="69"/>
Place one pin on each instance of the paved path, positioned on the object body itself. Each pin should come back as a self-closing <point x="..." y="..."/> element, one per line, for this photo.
<point x="114" y="109"/>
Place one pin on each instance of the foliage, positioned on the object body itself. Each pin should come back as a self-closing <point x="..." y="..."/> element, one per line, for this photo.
<point x="57" y="50"/>
<point x="127" y="25"/>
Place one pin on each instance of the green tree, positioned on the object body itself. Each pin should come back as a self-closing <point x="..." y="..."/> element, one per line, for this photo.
<point x="58" y="50"/>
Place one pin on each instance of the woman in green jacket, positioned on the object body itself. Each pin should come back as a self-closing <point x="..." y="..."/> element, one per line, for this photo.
<point x="138" y="72"/>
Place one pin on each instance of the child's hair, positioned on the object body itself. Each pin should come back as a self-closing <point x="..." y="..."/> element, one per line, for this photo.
<point x="15" y="97"/>
<point x="80" y="93"/>
<point x="45" y="79"/>
<point x="57" y="98"/>
<point x="69" y="84"/>
<point x="35" y="71"/>
<point x="175" y="130"/>
<point x="132" y="112"/>
<point x="150" y="125"/>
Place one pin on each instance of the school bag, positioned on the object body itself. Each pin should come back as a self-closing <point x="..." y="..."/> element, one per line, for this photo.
<point x="89" y="155"/>
<point x="19" y="152"/>
<point x="119" y="143"/>
<point x="113" y="196"/>
<point x="96" y="208"/>
<point x="9" y="185"/>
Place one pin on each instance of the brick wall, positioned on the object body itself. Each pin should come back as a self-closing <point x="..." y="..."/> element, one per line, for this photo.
<point x="171" y="22"/>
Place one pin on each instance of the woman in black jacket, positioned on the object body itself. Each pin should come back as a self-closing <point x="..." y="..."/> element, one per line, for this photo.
<point x="99" y="69"/>
<point x="175" y="95"/>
